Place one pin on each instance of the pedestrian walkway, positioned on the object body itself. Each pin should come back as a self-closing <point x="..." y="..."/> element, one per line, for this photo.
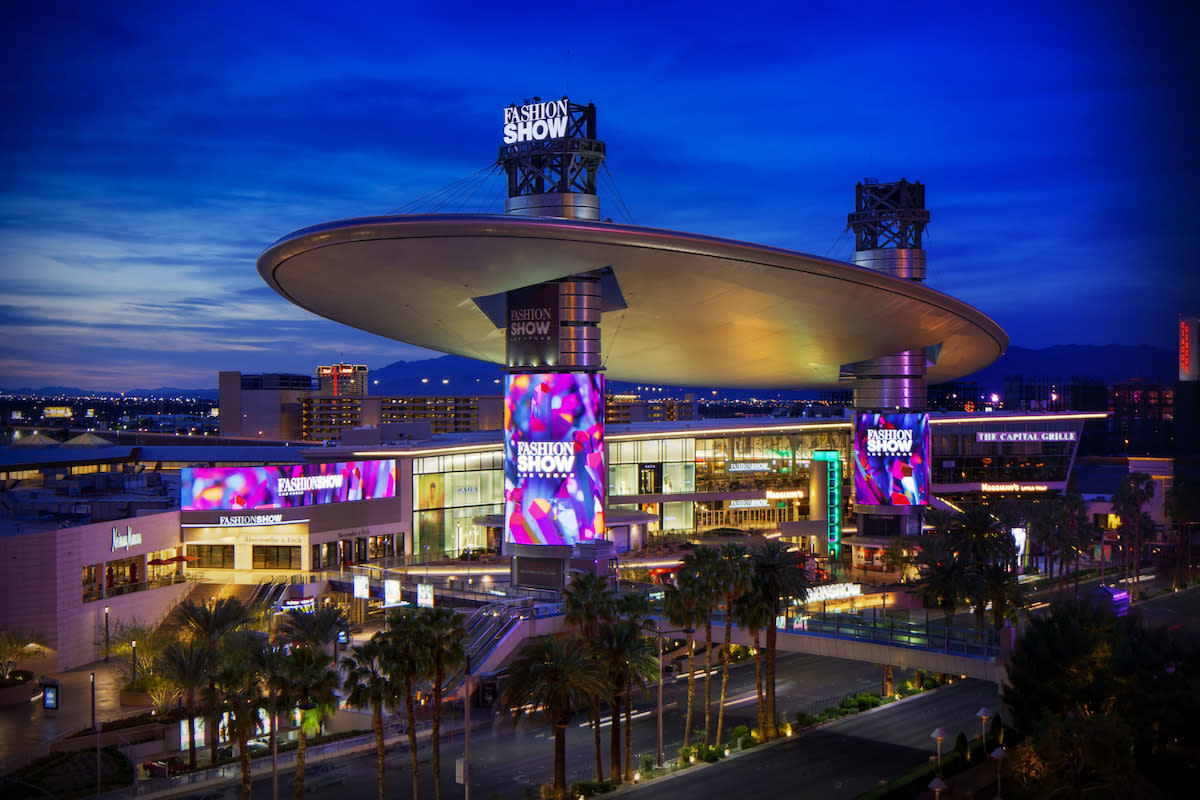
<point x="27" y="730"/>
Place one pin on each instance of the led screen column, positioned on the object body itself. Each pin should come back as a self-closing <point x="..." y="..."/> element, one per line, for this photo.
<point x="554" y="473"/>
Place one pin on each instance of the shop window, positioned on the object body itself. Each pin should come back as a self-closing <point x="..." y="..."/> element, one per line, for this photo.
<point x="211" y="556"/>
<point x="274" y="557"/>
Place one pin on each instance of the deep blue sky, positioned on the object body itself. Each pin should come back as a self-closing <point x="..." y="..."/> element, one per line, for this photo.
<point x="153" y="150"/>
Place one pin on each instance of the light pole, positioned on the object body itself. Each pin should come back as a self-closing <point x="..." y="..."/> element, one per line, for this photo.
<point x="92" y="678"/>
<point x="998" y="754"/>
<point x="106" y="634"/>
<point x="467" y="731"/>
<point x="938" y="786"/>
<point x="133" y="676"/>
<point x="984" y="715"/>
<point x="939" y="735"/>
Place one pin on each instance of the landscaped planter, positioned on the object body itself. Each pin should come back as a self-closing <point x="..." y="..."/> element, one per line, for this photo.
<point x="136" y="699"/>
<point x="18" y="693"/>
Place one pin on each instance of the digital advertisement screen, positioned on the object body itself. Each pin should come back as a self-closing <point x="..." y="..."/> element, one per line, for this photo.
<point x="891" y="459"/>
<point x="553" y="458"/>
<point x="291" y="486"/>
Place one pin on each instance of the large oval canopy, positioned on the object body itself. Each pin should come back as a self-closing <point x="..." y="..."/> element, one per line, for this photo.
<point x="686" y="309"/>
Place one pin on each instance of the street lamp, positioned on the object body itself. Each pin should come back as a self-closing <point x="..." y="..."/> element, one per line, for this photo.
<point x="661" y="633"/>
<point x="939" y="735"/>
<point x="106" y="634"/>
<point x="938" y="786"/>
<point x="133" y="644"/>
<point x="984" y="715"/>
<point x="998" y="754"/>
<point x="92" y="678"/>
<point x="467" y="730"/>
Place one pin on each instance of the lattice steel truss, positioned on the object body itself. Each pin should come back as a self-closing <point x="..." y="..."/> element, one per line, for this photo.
<point x="565" y="164"/>
<point x="888" y="215"/>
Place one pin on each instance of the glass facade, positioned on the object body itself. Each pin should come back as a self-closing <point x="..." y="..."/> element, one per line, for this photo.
<point x="959" y="456"/>
<point x="449" y="492"/>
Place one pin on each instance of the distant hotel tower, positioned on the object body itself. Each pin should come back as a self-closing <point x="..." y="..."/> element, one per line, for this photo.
<point x="343" y="380"/>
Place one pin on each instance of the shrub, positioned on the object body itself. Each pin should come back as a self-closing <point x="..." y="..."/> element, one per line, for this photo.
<point x="960" y="744"/>
<point x="646" y="762"/>
<point x="831" y="712"/>
<point x="804" y="720"/>
<point x="588" y="788"/>
<point x="685" y="755"/>
<point x="712" y="754"/>
<point x="738" y="733"/>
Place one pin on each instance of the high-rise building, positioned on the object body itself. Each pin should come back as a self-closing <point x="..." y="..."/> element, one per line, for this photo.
<point x="343" y="380"/>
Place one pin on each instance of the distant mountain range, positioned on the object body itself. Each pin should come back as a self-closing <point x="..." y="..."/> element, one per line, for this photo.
<point x="453" y="375"/>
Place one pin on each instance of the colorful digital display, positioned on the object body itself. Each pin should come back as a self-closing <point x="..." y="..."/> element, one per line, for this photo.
<point x="891" y="459"/>
<point x="291" y="486"/>
<point x="553" y="458"/>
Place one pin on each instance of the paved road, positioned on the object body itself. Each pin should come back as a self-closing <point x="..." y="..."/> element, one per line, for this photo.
<point x="843" y="758"/>
<point x="508" y="764"/>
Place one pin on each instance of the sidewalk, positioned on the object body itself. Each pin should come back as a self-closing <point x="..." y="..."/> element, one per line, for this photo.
<point x="27" y="730"/>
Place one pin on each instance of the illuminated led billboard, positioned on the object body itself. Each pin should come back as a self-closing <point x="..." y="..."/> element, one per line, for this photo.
<point x="891" y="459"/>
<point x="291" y="486"/>
<point x="553" y="458"/>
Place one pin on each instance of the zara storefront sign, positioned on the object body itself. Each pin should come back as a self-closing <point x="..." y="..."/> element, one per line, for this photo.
<point x="536" y="122"/>
<point x="126" y="540"/>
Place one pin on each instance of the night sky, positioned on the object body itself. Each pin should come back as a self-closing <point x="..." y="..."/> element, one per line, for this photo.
<point x="153" y="150"/>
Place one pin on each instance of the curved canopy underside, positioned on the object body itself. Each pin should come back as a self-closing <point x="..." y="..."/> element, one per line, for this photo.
<point x="697" y="310"/>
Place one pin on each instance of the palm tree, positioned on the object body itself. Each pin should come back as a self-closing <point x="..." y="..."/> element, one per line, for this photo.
<point x="271" y="663"/>
<point x="410" y="664"/>
<point x="1181" y="504"/>
<point x="733" y="580"/>
<point x="1004" y="590"/>
<point x="212" y="622"/>
<point x="445" y="637"/>
<point x="236" y="686"/>
<point x="186" y="663"/>
<point x="1134" y="492"/>
<point x="778" y="575"/>
<point x="945" y="580"/>
<point x="586" y="603"/>
<point x="702" y="568"/>
<point x="559" y="676"/>
<point x="679" y="604"/>
<point x="940" y="520"/>
<point x="614" y="643"/>
<point x="1075" y="530"/>
<point x="753" y="613"/>
<point x="318" y="628"/>
<point x="368" y="683"/>
<point x="309" y="670"/>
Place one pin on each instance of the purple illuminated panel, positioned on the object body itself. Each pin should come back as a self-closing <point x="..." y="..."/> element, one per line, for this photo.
<point x="292" y="486"/>
<point x="891" y="459"/>
<point x="553" y="458"/>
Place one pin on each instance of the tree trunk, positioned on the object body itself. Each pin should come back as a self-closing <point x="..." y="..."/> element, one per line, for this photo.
<point x="758" y="688"/>
<point x="377" y="724"/>
<point x="244" y="760"/>
<point x="411" y="712"/>
<point x="301" y="754"/>
<point x="214" y="724"/>
<point x="435" y="744"/>
<point x="772" y="729"/>
<point x="560" y="760"/>
<point x="687" y="723"/>
<point x="191" y="712"/>
<point x="707" y="680"/>
<point x="596" y="737"/>
<point x="629" y="730"/>
<point x="724" y="678"/>
<point x="614" y="739"/>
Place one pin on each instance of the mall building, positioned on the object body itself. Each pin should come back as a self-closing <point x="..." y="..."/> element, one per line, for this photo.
<point x="125" y="533"/>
